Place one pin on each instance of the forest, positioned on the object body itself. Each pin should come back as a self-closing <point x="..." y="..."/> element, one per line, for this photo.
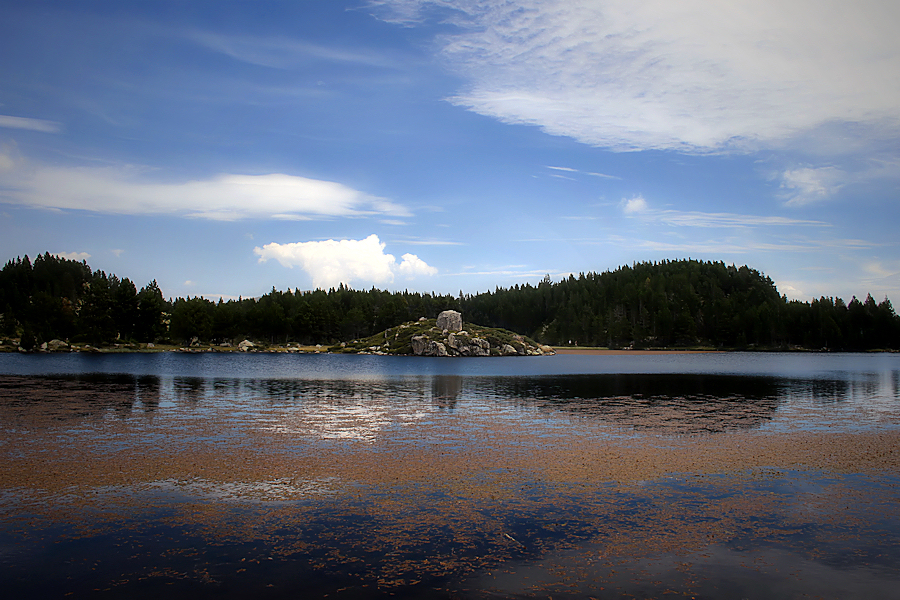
<point x="678" y="303"/>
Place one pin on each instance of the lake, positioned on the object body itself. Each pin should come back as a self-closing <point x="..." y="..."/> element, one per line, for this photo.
<point x="718" y="475"/>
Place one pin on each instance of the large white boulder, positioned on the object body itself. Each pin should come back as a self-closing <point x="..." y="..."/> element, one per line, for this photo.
<point x="450" y="320"/>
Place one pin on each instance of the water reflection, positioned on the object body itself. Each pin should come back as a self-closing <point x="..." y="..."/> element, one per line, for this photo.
<point x="191" y="389"/>
<point x="357" y="409"/>
<point x="671" y="403"/>
<point x="78" y="397"/>
<point x="445" y="390"/>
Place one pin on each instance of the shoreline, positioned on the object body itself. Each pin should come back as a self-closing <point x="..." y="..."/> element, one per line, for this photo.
<point x="307" y="349"/>
<point x="608" y="352"/>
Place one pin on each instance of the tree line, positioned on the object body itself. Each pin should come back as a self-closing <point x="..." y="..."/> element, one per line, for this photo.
<point x="652" y="304"/>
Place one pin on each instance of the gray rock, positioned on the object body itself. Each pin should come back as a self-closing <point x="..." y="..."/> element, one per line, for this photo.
<point x="507" y="350"/>
<point x="454" y="341"/>
<point x="484" y="347"/>
<point x="464" y="345"/>
<point x="450" y="320"/>
<point x="418" y="343"/>
<point x="422" y="346"/>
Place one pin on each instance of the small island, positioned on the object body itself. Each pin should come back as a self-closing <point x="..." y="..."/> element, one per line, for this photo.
<point x="445" y="336"/>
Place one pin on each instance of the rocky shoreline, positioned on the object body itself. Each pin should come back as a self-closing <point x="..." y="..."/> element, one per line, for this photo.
<point x="443" y="336"/>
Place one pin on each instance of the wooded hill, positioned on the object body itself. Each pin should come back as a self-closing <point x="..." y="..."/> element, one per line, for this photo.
<point x="664" y="304"/>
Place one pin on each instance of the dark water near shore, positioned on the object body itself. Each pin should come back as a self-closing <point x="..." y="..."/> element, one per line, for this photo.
<point x="234" y="475"/>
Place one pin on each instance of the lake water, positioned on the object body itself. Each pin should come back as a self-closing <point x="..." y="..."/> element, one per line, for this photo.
<point x="228" y="475"/>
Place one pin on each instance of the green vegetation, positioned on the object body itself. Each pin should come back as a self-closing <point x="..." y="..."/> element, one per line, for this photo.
<point x="683" y="303"/>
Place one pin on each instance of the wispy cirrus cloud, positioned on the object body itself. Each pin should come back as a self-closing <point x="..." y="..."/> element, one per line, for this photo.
<point x="807" y="185"/>
<point x="283" y="52"/>
<point x="332" y="262"/>
<point x="42" y="125"/>
<point x="704" y="219"/>
<point x="225" y="197"/>
<point x="574" y="171"/>
<point x="727" y="246"/>
<point x="431" y="242"/>
<point x="637" y="206"/>
<point x="693" y="76"/>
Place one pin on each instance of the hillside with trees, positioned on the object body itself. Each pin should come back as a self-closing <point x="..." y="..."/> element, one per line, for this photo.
<point x="682" y="303"/>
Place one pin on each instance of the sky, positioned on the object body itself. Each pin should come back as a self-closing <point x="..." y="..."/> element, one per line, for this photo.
<point x="227" y="148"/>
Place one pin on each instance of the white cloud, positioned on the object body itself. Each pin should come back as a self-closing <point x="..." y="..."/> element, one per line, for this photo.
<point x="31" y="124"/>
<point x="284" y="53"/>
<point x="10" y="158"/>
<point x="79" y="256"/>
<point x="226" y="197"/>
<point x="878" y="270"/>
<point x="633" y="205"/>
<point x="703" y="219"/>
<point x="571" y="170"/>
<point x="637" y="206"/>
<point x="430" y="242"/>
<point x="330" y="263"/>
<point x="412" y="266"/>
<point x="696" y="75"/>
<point x="809" y="185"/>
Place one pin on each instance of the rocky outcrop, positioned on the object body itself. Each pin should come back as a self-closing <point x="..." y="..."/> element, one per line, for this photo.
<point x="466" y="345"/>
<point x="422" y="346"/>
<point x="450" y="320"/>
<point x="444" y="336"/>
<point x="463" y="343"/>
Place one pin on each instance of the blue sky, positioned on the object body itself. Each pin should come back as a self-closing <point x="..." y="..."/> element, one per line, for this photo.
<point x="223" y="148"/>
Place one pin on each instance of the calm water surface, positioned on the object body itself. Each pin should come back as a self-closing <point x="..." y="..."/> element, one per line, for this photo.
<point x="694" y="475"/>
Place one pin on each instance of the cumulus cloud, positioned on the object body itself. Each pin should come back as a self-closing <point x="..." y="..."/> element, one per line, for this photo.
<point x="630" y="206"/>
<point x="79" y="256"/>
<point x="809" y="185"/>
<point x="695" y="75"/>
<point x="412" y="266"/>
<point x="226" y="197"/>
<point x="332" y="262"/>
<point x="27" y="123"/>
